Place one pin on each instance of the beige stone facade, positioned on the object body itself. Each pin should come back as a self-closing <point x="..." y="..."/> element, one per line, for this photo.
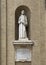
<point x="37" y="30"/>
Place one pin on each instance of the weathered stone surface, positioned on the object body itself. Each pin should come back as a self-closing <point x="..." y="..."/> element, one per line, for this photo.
<point x="37" y="30"/>
<point x="3" y="32"/>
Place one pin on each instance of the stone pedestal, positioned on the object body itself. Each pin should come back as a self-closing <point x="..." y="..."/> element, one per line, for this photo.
<point x="23" y="50"/>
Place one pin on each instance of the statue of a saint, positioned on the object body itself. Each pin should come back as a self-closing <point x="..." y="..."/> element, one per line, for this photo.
<point x="22" y="25"/>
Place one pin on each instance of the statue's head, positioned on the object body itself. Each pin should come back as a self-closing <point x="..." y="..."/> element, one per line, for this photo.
<point x="22" y="12"/>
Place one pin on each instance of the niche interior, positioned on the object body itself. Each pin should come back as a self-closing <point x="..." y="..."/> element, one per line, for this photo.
<point x="17" y="14"/>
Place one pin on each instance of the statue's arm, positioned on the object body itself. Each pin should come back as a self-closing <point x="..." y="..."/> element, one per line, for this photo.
<point x="26" y="23"/>
<point x="20" y="21"/>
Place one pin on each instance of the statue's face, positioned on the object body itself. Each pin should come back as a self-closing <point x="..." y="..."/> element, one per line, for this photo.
<point x="22" y="12"/>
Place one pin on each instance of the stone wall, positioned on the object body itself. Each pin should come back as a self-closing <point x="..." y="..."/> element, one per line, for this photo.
<point x="42" y="32"/>
<point x="0" y="33"/>
<point x="3" y="32"/>
<point x="37" y="30"/>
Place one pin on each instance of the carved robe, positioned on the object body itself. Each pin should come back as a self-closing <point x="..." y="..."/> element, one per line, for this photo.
<point x="22" y="27"/>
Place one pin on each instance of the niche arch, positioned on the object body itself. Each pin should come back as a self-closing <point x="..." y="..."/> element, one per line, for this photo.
<point x="17" y="14"/>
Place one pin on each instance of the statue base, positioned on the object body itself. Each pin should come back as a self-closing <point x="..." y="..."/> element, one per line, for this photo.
<point x="23" y="50"/>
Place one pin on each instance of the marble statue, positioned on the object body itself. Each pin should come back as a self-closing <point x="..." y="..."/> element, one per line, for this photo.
<point x="22" y="21"/>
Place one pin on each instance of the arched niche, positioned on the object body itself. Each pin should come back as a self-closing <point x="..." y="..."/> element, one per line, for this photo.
<point x="17" y="14"/>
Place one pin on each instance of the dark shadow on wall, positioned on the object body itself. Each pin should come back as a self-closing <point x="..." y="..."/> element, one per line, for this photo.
<point x="23" y="63"/>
